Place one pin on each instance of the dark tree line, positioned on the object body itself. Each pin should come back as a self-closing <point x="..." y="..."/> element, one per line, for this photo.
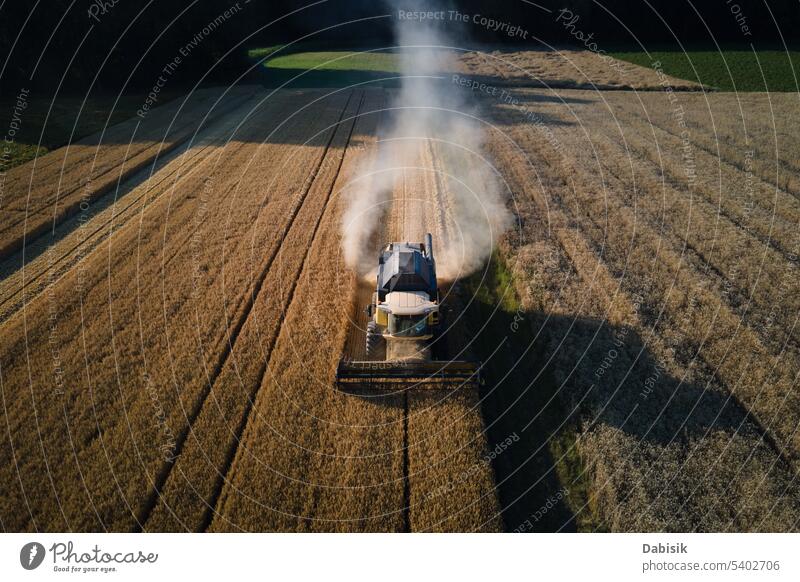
<point x="650" y="21"/>
<point x="127" y="43"/>
<point x="106" y="40"/>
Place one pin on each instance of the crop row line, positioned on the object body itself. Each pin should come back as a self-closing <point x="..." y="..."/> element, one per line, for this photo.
<point x="118" y="218"/>
<point x="163" y="475"/>
<point x="212" y="508"/>
<point x="164" y="148"/>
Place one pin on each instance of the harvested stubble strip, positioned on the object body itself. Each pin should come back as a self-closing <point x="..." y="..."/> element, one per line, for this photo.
<point x="313" y="458"/>
<point x="563" y="68"/>
<point x="774" y="294"/>
<point x="766" y="213"/>
<point x="751" y="173"/>
<point x="485" y="65"/>
<point x="676" y="477"/>
<point x="766" y="125"/>
<point x="762" y="381"/>
<point x="43" y="192"/>
<point x="127" y="392"/>
<point x="653" y="271"/>
<point x="681" y="461"/>
<point x="190" y="494"/>
<point x="755" y="279"/>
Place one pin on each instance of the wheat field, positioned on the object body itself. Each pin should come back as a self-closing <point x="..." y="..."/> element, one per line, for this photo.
<point x="174" y="303"/>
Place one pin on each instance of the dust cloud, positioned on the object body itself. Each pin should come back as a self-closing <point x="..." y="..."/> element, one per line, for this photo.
<point x="431" y="149"/>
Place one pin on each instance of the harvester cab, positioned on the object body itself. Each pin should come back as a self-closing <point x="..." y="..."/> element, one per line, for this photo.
<point x="404" y="323"/>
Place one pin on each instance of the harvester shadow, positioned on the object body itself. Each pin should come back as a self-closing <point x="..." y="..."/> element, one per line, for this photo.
<point x="557" y="377"/>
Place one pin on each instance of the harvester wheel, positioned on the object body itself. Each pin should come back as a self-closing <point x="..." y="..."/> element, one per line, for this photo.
<point x="374" y="338"/>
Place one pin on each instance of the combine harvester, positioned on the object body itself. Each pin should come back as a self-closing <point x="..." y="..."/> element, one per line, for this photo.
<point x="405" y="325"/>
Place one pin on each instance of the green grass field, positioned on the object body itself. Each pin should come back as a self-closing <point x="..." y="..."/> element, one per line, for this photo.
<point x="338" y="61"/>
<point x="329" y="68"/>
<point x="263" y="52"/>
<point x="729" y="70"/>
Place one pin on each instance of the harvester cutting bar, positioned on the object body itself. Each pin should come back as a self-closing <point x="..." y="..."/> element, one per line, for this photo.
<point x="386" y="372"/>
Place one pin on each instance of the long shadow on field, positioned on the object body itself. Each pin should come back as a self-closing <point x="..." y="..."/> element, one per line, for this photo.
<point x="314" y="79"/>
<point x="554" y="378"/>
<point x="259" y="124"/>
<point x="312" y="93"/>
